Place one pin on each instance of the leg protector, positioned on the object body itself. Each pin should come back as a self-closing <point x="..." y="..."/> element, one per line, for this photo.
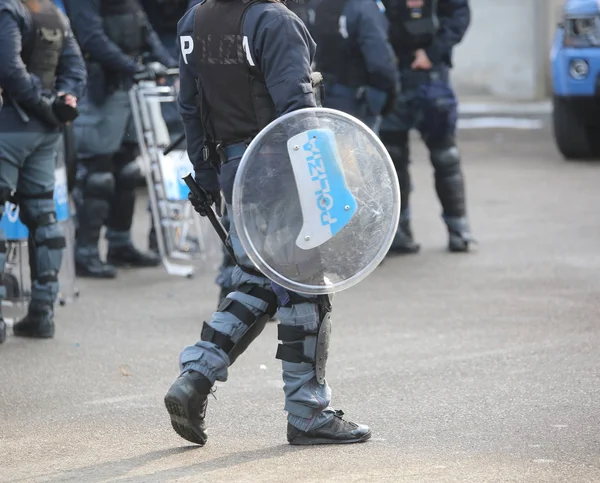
<point x="449" y="180"/>
<point x="46" y="244"/>
<point x="123" y="201"/>
<point x="296" y="341"/>
<point x="94" y="188"/>
<point x="255" y="325"/>
<point x="3" y="196"/>
<point x="397" y="145"/>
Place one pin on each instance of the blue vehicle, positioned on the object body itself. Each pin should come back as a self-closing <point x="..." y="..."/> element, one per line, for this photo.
<point x="575" y="62"/>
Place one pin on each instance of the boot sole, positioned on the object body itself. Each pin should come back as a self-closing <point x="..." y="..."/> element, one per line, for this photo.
<point x="119" y="264"/>
<point x="182" y="424"/>
<point x="83" y="274"/>
<point x="303" y="441"/>
<point x="40" y="335"/>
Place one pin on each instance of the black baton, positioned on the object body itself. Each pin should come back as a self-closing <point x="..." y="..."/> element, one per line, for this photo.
<point x="22" y="114"/>
<point x="199" y="192"/>
<point x="174" y="145"/>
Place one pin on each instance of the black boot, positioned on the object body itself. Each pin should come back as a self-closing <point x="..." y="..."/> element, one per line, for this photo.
<point x="338" y="431"/>
<point x="460" y="238"/>
<point x="38" y="323"/>
<point x="152" y="241"/>
<point x="93" y="267"/>
<point x="404" y="243"/>
<point x="128" y="255"/>
<point x="2" y="330"/>
<point x="186" y="403"/>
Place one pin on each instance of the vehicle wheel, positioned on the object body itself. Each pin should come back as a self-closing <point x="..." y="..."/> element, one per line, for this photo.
<point x="571" y="131"/>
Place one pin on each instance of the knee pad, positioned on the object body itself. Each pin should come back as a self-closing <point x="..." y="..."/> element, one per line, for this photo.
<point x="46" y="238"/>
<point x="445" y="160"/>
<point x="127" y="176"/>
<point x="255" y="324"/>
<point x="100" y="185"/>
<point x="300" y="345"/>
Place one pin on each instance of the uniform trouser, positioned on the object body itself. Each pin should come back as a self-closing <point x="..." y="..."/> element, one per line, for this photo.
<point x="306" y="401"/>
<point x="427" y="103"/>
<point x="225" y="275"/>
<point x="352" y="101"/>
<point x="107" y="172"/>
<point x="27" y="165"/>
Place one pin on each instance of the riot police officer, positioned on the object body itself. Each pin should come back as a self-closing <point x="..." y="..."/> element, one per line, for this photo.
<point x="423" y="34"/>
<point x="355" y="57"/>
<point x="42" y="74"/>
<point x="268" y="69"/>
<point x="114" y="36"/>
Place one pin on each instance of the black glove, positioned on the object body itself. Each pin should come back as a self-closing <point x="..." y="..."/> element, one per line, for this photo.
<point x="150" y="72"/>
<point x="63" y="112"/>
<point x="390" y="102"/>
<point x="44" y="111"/>
<point x="208" y="180"/>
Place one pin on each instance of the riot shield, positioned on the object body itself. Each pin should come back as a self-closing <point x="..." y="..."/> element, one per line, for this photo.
<point x="316" y="201"/>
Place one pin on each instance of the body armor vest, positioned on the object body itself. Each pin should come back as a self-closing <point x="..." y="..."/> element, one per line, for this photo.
<point x="41" y="52"/>
<point x="338" y="57"/>
<point x="234" y="99"/>
<point x="411" y="28"/>
<point x="125" y="24"/>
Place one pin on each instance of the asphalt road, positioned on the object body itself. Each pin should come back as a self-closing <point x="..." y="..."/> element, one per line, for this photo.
<point x="469" y="368"/>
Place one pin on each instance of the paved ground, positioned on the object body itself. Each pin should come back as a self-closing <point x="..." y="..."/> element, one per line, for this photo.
<point x="469" y="368"/>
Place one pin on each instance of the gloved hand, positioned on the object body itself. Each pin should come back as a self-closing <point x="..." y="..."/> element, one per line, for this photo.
<point x="390" y="102"/>
<point x="44" y="110"/>
<point x="150" y="71"/>
<point x="63" y="112"/>
<point x="208" y="180"/>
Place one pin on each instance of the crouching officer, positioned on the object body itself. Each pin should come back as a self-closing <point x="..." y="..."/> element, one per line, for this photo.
<point x="423" y="34"/>
<point x="355" y="57"/>
<point x="267" y="64"/>
<point x="114" y="35"/>
<point x="42" y="74"/>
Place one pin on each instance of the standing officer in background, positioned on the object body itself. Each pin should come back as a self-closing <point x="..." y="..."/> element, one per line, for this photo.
<point x="423" y="34"/>
<point x="355" y="57"/>
<point x="42" y="74"/>
<point x="114" y="36"/>
<point x="267" y="64"/>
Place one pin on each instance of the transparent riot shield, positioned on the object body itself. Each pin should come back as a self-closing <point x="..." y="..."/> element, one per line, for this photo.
<point x="316" y="201"/>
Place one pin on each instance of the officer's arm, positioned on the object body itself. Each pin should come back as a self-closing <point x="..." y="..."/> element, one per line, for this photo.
<point x="455" y="17"/>
<point x="89" y="31"/>
<point x="14" y="78"/>
<point x="187" y="99"/>
<point x="283" y="52"/>
<point x="71" y="74"/>
<point x="375" y="48"/>
<point x="157" y="48"/>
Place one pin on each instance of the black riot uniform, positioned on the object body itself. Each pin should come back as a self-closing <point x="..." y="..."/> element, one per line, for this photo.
<point x="116" y="39"/>
<point x="39" y="61"/>
<point x="427" y="103"/>
<point x="243" y="63"/>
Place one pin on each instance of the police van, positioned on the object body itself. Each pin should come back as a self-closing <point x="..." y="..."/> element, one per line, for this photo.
<point x="575" y="64"/>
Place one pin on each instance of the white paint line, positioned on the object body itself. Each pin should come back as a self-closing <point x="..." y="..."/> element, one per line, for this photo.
<point x="113" y="400"/>
<point x="500" y="122"/>
<point x="512" y="108"/>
